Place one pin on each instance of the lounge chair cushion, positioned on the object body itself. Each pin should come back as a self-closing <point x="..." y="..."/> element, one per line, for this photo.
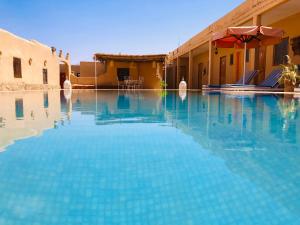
<point x="272" y="79"/>
<point x="248" y="78"/>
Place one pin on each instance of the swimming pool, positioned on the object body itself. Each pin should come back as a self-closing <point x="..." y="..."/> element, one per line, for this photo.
<point x="135" y="158"/>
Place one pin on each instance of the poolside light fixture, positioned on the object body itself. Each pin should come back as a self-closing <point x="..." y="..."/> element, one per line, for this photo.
<point x="216" y="51"/>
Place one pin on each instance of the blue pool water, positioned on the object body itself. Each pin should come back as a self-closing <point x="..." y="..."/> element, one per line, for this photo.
<point x="140" y="158"/>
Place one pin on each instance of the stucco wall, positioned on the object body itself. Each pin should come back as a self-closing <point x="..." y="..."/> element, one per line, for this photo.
<point x="289" y="25"/>
<point x="74" y="68"/>
<point x="148" y="70"/>
<point x="41" y="57"/>
<point x="87" y="69"/>
<point x="90" y="81"/>
<point x="233" y="72"/>
<point x="201" y="58"/>
<point x="291" y="28"/>
<point x="107" y="73"/>
<point x="242" y="14"/>
<point x="258" y="12"/>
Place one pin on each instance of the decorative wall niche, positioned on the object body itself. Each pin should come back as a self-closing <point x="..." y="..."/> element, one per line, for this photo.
<point x="296" y="45"/>
<point x="45" y="63"/>
<point x="30" y="61"/>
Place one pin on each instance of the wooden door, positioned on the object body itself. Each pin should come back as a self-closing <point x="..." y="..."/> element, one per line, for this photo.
<point x="195" y="79"/>
<point x="183" y="73"/>
<point x="62" y="79"/>
<point x="238" y="67"/>
<point x="200" y="75"/>
<point x="260" y="64"/>
<point x="223" y="70"/>
<point x="171" y="79"/>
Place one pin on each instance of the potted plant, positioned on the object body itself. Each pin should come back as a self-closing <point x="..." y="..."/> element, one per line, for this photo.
<point x="289" y="75"/>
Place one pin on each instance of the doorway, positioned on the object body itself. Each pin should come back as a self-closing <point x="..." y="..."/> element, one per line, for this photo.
<point x="223" y="70"/>
<point x="62" y="78"/>
<point x="64" y="73"/>
<point x="123" y="74"/>
<point x="260" y="64"/>
<point x="183" y="73"/>
<point x="200" y="75"/>
<point x="238" y="66"/>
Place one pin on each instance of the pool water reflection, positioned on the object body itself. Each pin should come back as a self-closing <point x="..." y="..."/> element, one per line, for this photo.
<point x="112" y="157"/>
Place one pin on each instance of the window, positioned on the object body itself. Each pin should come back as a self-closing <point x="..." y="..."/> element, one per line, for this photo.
<point x="280" y="50"/>
<point x="19" y="110"/>
<point x="248" y="55"/>
<point x="296" y="45"/>
<point x="123" y="74"/>
<point x="231" y="59"/>
<point x="17" y="67"/>
<point x="45" y="76"/>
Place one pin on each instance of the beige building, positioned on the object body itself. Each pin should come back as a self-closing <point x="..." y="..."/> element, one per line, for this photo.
<point x="27" y="65"/>
<point x="200" y="63"/>
<point x="110" y="70"/>
<point x="83" y="75"/>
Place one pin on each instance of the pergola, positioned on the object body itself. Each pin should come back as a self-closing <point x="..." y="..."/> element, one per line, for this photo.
<point x="130" y="58"/>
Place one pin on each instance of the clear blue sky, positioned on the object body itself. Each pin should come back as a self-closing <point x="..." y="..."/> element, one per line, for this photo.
<point x="83" y="27"/>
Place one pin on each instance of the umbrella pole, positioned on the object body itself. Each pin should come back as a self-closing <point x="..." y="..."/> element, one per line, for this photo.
<point x="245" y="59"/>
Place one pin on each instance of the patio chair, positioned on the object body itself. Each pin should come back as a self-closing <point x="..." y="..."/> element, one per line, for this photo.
<point x="140" y="83"/>
<point x="272" y="80"/>
<point x="244" y="80"/>
<point x="130" y="84"/>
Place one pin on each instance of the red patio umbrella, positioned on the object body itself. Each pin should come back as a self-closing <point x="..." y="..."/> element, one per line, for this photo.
<point x="247" y="37"/>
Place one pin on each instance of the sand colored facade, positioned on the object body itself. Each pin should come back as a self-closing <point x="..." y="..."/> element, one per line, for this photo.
<point x="149" y="68"/>
<point x="27" y="65"/>
<point x="201" y="64"/>
<point x="83" y="75"/>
